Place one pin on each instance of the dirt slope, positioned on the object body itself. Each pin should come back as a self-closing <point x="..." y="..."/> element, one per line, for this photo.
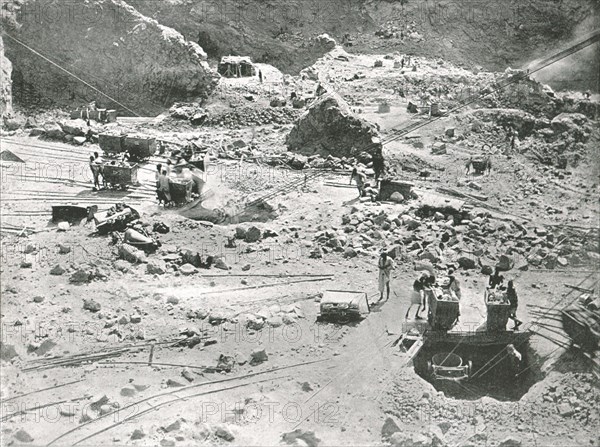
<point x="493" y="35"/>
<point x="5" y="82"/>
<point x="135" y="61"/>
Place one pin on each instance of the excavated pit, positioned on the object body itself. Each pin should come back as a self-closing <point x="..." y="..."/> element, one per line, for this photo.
<point x="491" y="372"/>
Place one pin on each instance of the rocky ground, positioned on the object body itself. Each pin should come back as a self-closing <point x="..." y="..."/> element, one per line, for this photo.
<point x="102" y="344"/>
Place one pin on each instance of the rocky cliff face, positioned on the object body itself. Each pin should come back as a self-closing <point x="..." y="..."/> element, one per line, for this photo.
<point x="329" y="127"/>
<point x="116" y="56"/>
<point x="5" y="83"/>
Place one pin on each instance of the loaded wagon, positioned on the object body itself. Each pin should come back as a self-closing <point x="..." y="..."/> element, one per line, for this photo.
<point x="444" y="308"/>
<point x="120" y="176"/>
<point x="342" y="306"/>
<point x="498" y="309"/>
<point x="139" y="149"/>
<point x="181" y="190"/>
<point x="582" y="324"/>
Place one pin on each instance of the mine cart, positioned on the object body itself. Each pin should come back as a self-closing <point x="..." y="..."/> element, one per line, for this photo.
<point x="181" y="190"/>
<point x="139" y="149"/>
<point x="444" y="308"/>
<point x="581" y="321"/>
<point x="481" y="164"/>
<point x="70" y="213"/>
<point x="448" y="366"/>
<point x="111" y="144"/>
<point x="120" y="175"/>
<point x="343" y="306"/>
<point x="498" y="309"/>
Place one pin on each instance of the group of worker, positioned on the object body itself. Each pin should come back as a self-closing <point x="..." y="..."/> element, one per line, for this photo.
<point x="178" y="170"/>
<point x="428" y="280"/>
<point x="97" y="167"/>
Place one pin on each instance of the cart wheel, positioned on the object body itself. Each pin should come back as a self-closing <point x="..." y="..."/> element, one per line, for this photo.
<point x="469" y="368"/>
<point x="343" y="320"/>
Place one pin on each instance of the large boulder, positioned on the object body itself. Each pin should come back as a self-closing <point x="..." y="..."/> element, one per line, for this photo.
<point x="329" y="127"/>
<point x="572" y="123"/>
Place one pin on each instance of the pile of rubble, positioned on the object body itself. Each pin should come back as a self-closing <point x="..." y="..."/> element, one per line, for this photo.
<point x="251" y="116"/>
<point x="468" y="239"/>
<point x="562" y="142"/>
<point x="329" y="127"/>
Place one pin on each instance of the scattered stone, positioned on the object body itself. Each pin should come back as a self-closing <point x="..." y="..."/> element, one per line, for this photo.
<point x="258" y="356"/>
<point x="38" y="299"/>
<point x="222" y="431"/>
<point x="505" y="263"/>
<point x="565" y="409"/>
<point x="275" y="321"/>
<point x="23" y="436"/>
<point x="438" y="148"/>
<point x="91" y="305"/>
<point x="81" y="276"/>
<point x="449" y="132"/>
<point x="175" y="426"/>
<point x="466" y="263"/>
<point x="26" y="264"/>
<point x="7" y="352"/>
<point x="135" y="319"/>
<point x="156" y="267"/>
<point x="57" y="270"/>
<point x="253" y="234"/>
<point x="63" y="249"/>
<point x="350" y="253"/>
<point x="132" y="254"/>
<point x="397" y="197"/>
<point x="188" y="375"/>
<point x="220" y="264"/>
<point x="246" y="267"/>
<point x="98" y="401"/>
<point x="188" y="269"/>
<point x="510" y="442"/>
<point x="389" y="428"/>
<point x="167" y="442"/>
<point x="305" y="437"/>
<point x="63" y="226"/>
<point x="138" y="433"/>
<point x="240" y="233"/>
<point x="173" y="384"/>
<point x="128" y="391"/>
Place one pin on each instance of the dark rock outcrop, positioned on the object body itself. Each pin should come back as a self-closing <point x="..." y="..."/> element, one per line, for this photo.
<point x="142" y="65"/>
<point x="329" y="127"/>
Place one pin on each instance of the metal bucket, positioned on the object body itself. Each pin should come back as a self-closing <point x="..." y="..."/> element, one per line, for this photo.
<point x="447" y="360"/>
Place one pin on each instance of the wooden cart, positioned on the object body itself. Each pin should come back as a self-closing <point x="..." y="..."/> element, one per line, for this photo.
<point x="582" y="325"/>
<point x="498" y="310"/>
<point x="181" y="190"/>
<point x="117" y="176"/>
<point x="444" y="308"/>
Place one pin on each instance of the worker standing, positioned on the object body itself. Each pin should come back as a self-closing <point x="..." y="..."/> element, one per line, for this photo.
<point x="513" y="299"/>
<point x="515" y="358"/>
<point x="164" y="192"/>
<point x="496" y="280"/>
<point x="95" y="173"/>
<point x="418" y="296"/>
<point x="361" y="180"/>
<point x="386" y="265"/>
